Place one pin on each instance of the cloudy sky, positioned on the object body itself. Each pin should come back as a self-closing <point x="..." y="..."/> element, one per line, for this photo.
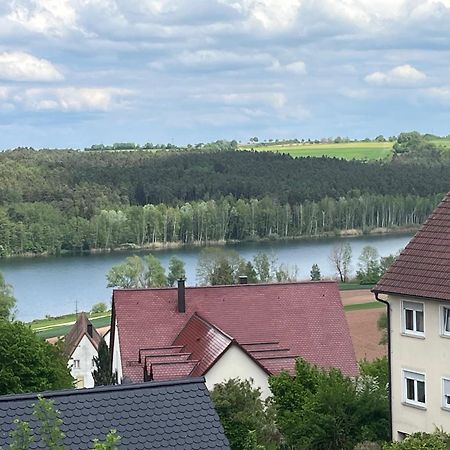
<point x="78" y="72"/>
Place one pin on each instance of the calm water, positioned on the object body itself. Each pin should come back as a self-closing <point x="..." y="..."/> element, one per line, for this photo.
<point x="55" y="285"/>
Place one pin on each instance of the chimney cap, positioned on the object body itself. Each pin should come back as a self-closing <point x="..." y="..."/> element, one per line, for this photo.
<point x="243" y="279"/>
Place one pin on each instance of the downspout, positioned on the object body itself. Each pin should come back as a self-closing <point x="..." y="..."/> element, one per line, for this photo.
<point x="388" y="314"/>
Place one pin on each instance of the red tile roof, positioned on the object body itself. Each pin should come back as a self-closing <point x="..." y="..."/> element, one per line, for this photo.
<point x="204" y="341"/>
<point x="423" y="267"/>
<point x="273" y="323"/>
<point x="76" y="333"/>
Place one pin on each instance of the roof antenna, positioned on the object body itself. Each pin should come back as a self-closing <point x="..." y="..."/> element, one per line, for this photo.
<point x="76" y="308"/>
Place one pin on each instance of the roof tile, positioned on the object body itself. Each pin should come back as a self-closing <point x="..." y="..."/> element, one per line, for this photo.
<point x="305" y="318"/>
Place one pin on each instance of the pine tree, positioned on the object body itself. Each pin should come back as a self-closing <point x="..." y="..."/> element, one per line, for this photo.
<point x="102" y="374"/>
<point x="315" y="273"/>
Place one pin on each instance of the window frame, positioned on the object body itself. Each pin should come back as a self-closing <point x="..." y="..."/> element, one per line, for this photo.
<point x="443" y="331"/>
<point x="444" y="404"/>
<point x="416" y="377"/>
<point x="76" y="363"/>
<point x="414" y="332"/>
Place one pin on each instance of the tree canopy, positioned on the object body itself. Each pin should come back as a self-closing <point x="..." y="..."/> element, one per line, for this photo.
<point x="28" y="363"/>
<point x="7" y="300"/>
<point x="320" y="408"/>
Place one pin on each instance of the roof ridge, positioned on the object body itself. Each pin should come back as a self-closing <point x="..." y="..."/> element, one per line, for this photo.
<point x="274" y="283"/>
<point x="101" y="389"/>
<point x="231" y="338"/>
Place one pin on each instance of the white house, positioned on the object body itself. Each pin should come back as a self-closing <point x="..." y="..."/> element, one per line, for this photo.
<point x="416" y="289"/>
<point x="221" y="332"/>
<point x="81" y="346"/>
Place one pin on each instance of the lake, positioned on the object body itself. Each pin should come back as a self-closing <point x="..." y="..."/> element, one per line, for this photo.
<point x="58" y="285"/>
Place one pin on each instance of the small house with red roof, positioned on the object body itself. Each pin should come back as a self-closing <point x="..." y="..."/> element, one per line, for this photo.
<point x="221" y="332"/>
<point x="80" y="347"/>
<point x="416" y="289"/>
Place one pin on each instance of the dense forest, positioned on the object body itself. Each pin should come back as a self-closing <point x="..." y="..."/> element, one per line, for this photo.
<point x="67" y="200"/>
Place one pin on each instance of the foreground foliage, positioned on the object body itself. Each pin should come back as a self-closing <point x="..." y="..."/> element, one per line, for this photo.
<point x="324" y="409"/>
<point x="246" y="421"/>
<point x="102" y="373"/>
<point x="28" y="363"/>
<point x="422" y="441"/>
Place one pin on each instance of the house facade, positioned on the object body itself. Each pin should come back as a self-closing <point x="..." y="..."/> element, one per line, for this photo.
<point x="221" y="332"/>
<point x="416" y="289"/>
<point x="81" y="346"/>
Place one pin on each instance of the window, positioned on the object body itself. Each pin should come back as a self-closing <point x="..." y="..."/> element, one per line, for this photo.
<point x="413" y="320"/>
<point x="445" y="320"/>
<point x="446" y="393"/>
<point x="414" y="388"/>
<point x="93" y="362"/>
<point x="76" y="363"/>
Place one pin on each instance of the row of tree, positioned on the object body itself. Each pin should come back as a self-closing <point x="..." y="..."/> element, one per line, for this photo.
<point x="81" y="183"/>
<point x="43" y="228"/>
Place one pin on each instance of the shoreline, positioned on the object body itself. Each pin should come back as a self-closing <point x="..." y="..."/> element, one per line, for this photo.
<point x="157" y="246"/>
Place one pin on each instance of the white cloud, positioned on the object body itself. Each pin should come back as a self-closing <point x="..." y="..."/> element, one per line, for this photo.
<point x="404" y="75"/>
<point x="21" y="66"/>
<point x="296" y="67"/>
<point x="354" y="93"/>
<point x="72" y="98"/>
<point x="275" y="100"/>
<point x="441" y="94"/>
<point x="53" y="17"/>
<point x="272" y="15"/>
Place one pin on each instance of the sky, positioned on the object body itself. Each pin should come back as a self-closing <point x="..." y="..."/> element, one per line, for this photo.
<point x="80" y="72"/>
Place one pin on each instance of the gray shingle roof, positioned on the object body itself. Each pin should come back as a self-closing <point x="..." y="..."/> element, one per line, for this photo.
<point x="152" y="415"/>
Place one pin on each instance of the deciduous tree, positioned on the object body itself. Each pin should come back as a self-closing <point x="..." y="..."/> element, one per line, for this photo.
<point x="102" y="373"/>
<point x="340" y="257"/>
<point x="28" y="363"/>
<point x="176" y="270"/>
<point x="246" y="420"/>
<point x="7" y="300"/>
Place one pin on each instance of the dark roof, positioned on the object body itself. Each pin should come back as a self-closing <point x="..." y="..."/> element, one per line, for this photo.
<point x="274" y="323"/>
<point x="76" y="333"/>
<point x="423" y="267"/>
<point x="153" y="415"/>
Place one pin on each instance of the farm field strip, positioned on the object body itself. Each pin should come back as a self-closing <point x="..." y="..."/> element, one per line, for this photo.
<point x="351" y="150"/>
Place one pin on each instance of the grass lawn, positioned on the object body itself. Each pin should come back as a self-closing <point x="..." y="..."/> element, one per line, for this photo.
<point x="54" y="321"/>
<point x="351" y="150"/>
<point x="358" y="306"/>
<point x="442" y="143"/>
<point x="354" y="286"/>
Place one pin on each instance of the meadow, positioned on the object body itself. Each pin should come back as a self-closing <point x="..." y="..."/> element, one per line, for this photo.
<point x="350" y="150"/>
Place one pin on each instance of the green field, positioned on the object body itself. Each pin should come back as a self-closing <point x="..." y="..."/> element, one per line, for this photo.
<point x="442" y="143"/>
<point x="351" y="150"/>
<point x="54" y="321"/>
<point x="62" y="330"/>
<point x="359" y="306"/>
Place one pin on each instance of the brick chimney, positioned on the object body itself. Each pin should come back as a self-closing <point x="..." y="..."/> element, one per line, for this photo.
<point x="181" y="296"/>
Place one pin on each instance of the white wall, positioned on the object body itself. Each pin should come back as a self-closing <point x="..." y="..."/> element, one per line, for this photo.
<point x="116" y="362"/>
<point x="84" y="352"/>
<point x="430" y="355"/>
<point x="235" y="363"/>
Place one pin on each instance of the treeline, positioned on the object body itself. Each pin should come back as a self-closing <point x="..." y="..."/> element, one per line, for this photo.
<point x="82" y="183"/>
<point x="43" y="228"/>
